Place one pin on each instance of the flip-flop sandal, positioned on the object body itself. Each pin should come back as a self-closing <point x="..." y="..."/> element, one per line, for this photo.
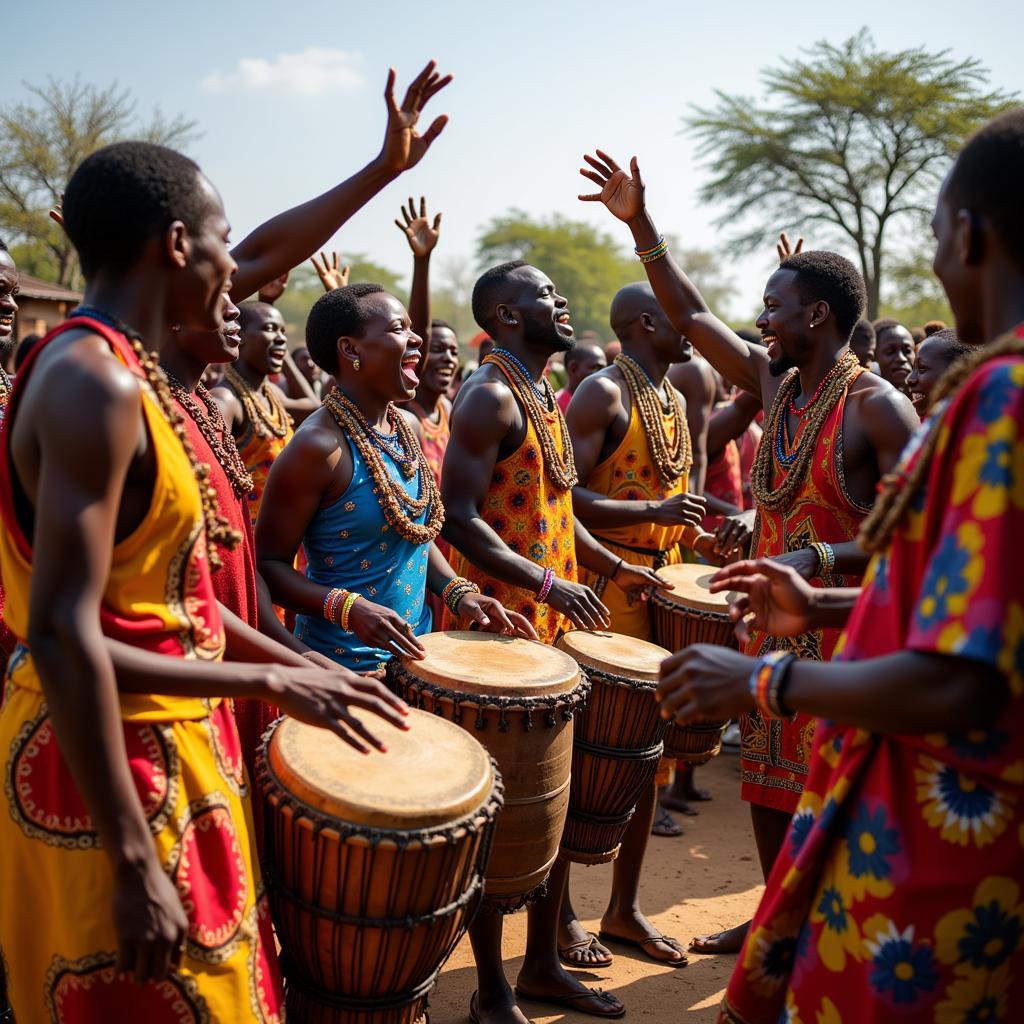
<point x="665" y="825"/>
<point x="584" y="945"/>
<point x="577" y="1002"/>
<point x="648" y="941"/>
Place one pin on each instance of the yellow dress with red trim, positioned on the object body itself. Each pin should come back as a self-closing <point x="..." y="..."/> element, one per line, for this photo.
<point x="630" y="474"/>
<point x="56" y="925"/>
<point x="259" y="448"/>
<point x="7" y="638"/>
<point x="534" y="519"/>
<point x="774" y="754"/>
<point x="898" y="895"/>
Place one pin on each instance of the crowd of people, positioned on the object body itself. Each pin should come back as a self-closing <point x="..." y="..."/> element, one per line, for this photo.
<point x="202" y="531"/>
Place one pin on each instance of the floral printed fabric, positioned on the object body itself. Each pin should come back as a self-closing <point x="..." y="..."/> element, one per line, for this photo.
<point x="899" y="895"/>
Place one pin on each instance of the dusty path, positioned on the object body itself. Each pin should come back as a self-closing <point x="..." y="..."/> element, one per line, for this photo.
<point x="702" y="881"/>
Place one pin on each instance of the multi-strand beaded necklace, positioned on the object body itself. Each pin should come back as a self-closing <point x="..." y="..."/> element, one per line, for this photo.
<point x="270" y="420"/>
<point x="213" y="428"/>
<point x="218" y="530"/>
<point x="399" y="507"/>
<point x="672" y="457"/>
<point x="774" y="452"/>
<point x="539" y="403"/>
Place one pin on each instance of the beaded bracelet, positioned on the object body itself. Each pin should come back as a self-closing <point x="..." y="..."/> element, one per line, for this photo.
<point x="455" y="591"/>
<point x="661" y="249"/>
<point x="331" y="603"/>
<point x="766" y="681"/>
<point x="346" y="609"/>
<point x="545" y="587"/>
<point x="647" y="252"/>
<point x="826" y="560"/>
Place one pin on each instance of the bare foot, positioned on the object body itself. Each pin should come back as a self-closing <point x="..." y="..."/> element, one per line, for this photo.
<point x="562" y="989"/>
<point x="729" y="941"/>
<point x="502" y="1013"/>
<point x="634" y="929"/>
<point x="579" y="948"/>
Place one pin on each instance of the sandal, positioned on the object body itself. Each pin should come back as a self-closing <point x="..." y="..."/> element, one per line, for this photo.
<point x="583" y="946"/>
<point x="602" y="1005"/>
<point x="665" y="825"/>
<point x="648" y="941"/>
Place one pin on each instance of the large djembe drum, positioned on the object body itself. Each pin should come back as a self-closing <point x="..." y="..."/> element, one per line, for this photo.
<point x="691" y="614"/>
<point x="617" y="740"/>
<point x="374" y="864"/>
<point x="518" y="698"/>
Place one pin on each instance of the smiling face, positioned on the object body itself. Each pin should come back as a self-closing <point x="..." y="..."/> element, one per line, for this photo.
<point x="388" y="350"/>
<point x="784" y="323"/>
<point x="213" y="347"/>
<point x="894" y="350"/>
<point x="442" y="361"/>
<point x="8" y="301"/>
<point x="934" y="358"/>
<point x="542" y="313"/>
<point x="264" y="340"/>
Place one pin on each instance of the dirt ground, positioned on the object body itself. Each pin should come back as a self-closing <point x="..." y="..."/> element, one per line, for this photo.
<point x="701" y="881"/>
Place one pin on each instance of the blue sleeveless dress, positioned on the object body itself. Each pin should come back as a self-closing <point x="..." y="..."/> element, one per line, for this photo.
<point x="350" y="544"/>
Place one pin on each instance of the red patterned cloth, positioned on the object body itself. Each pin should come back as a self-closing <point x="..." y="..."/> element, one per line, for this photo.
<point x="899" y="892"/>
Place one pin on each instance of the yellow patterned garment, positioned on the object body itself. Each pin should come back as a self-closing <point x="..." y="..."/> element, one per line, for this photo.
<point x="629" y="474"/>
<point x="535" y="520"/>
<point x="56" y="926"/>
<point x="258" y="453"/>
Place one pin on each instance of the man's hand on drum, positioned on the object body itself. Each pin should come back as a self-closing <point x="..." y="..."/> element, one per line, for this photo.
<point x="494" y="617"/>
<point x="776" y="599"/>
<point x="579" y="604"/>
<point x="638" y="582"/>
<point x="732" y="538"/>
<point x="323" y="698"/>
<point x="385" y="629"/>
<point x="704" y="682"/>
<point x="679" y="510"/>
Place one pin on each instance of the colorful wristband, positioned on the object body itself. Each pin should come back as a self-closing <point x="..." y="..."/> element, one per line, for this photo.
<point x="826" y="560"/>
<point x="332" y="602"/>
<point x="545" y="587"/>
<point x="767" y="680"/>
<point x="346" y="609"/>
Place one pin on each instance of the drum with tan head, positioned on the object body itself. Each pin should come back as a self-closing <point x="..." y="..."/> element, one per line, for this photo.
<point x="374" y="863"/>
<point x="518" y="698"/>
<point x="691" y="614"/>
<point x="617" y="742"/>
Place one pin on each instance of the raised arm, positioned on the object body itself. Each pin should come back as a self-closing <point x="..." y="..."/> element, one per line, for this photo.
<point x="743" y="363"/>
<point x="292" y="237"/>
<point x="422" y="238"/>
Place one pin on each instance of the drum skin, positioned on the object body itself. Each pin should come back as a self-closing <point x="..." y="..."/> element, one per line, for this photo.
<point x="518" y="698"/>
<point x="691" y="614"/>
<point x="617" y="742"/>
<point x="374" y="863"/>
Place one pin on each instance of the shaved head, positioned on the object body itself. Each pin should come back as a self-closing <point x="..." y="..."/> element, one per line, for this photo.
<point x="629" y="303"/>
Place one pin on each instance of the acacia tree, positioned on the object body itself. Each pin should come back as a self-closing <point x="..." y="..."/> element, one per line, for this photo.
<point x="42" y="141"/>
<point x="850" y="137"/>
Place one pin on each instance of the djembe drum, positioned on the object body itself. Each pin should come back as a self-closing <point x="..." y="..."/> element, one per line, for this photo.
<point x="691" y="614"/>
<point x="374" y="865"/>
<point x="518" y="697"/>
<point x="617" y="741"/>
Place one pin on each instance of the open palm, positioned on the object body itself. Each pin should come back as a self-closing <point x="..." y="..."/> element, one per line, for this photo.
<point x="404" y="146"/>
<point x="422" y="236"/>
<point x="622" y="193"/>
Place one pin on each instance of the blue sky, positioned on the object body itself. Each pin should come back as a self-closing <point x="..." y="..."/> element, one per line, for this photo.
<point x="288" y="96"/>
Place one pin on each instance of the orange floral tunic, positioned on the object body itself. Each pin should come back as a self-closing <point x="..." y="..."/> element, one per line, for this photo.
<point x="56" y="925"/>
<point x="258" y="454"/>
<point x="774" y="754"/>
<point x="535" y="520"/>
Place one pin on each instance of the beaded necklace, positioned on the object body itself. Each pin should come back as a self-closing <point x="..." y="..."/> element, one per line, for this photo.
<point x="218" y="530"/>
<point x="270" y="420"/>
<point x="544" y="395"/>
<point x="809" y="404"/>
<point x="673" y="457"/>
<point x="797" y="461"/>
<point x="213" y="428"/>
<point x="560" y="466"/>
<point x="398" y="506"/>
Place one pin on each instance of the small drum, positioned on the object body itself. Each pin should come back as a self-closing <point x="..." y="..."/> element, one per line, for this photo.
<point x="617" y="742"/>
<point x="691" y="614"/>
<point x="374" y="864"/>
<point x="518" y="698"/>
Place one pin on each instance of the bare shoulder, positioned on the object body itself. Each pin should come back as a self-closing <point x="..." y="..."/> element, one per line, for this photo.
<point x="693" y="379"/>
<point x="412" y="420"/>
<point x="884" y="411"/>
<point x="484" y="402"/>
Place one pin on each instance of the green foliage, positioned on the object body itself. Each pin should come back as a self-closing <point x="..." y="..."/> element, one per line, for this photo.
<point x="304" y="288"/>
<point x="849" y="141"/>
<point x="42" y="141"/>
<point x="914" y="295"/>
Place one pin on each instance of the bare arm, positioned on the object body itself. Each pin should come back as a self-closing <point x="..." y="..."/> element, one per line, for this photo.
<point x="298" y="408"/>
<point x="729" y="422"/>
<point x="230" y="408"/>
<point x="696" y="383"/>
<point x="422" y="238"/>
<point x="292" y="237"/>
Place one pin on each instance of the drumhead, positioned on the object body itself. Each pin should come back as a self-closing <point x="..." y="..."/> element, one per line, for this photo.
<point x="615" y="654"/>
<point x="492" y="665"/>
<point x="432" y="774"/>
<point x="690" y="589"/>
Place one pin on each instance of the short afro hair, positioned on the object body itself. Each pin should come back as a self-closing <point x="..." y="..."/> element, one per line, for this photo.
<point x="933" y="327"/>
<point x="442" y="325"/>
<point x="829" y="277"/>
<point x="125" y="194"/>
<point x="954" y="348"/>
<point x="864" y="329"/>
<point x="339" y="313"/>
<point x="886" y="323"/>
<point x="986" y="179"/>
<point x="487" y="290"/>
<point x="250" y="311"/>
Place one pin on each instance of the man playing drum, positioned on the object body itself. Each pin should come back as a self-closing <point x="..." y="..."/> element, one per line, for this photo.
<point x="832" y="431"/>
<point x="507" y="487"/>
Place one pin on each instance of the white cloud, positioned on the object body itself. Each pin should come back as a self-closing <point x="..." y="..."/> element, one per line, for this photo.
<point x="313" y="72"/>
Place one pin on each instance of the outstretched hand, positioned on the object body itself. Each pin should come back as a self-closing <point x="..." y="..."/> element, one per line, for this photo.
<point x="422" y="237"/>
<point x="776" y="598"/>
<point x="622" y="193"/>
<point x="782" y="247"/>
<point x="273" y="290"/>
<point x="403" y="146"/>
<point x="332" y="274"/>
